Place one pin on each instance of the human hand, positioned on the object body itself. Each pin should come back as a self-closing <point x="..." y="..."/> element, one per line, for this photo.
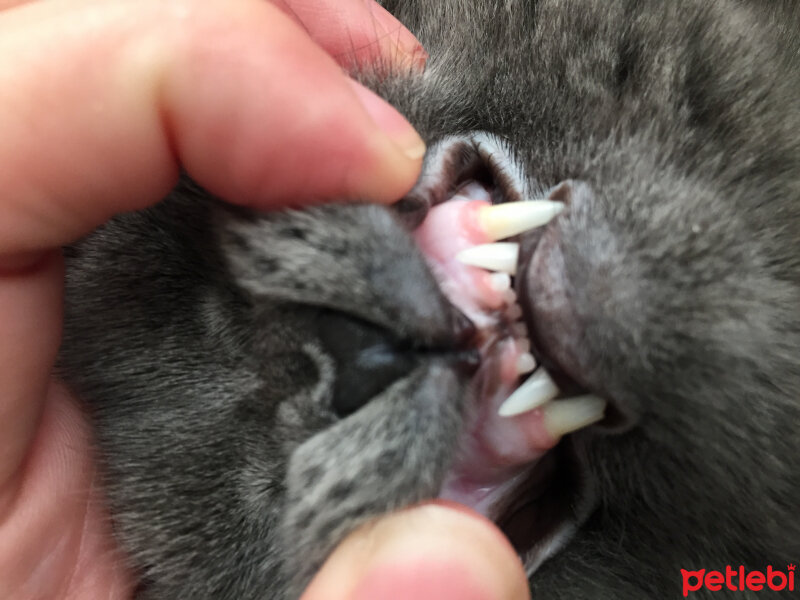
<point x="101" y="102"/>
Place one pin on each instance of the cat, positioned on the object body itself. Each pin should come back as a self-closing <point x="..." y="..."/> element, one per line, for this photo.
<point x="260" y="385"/>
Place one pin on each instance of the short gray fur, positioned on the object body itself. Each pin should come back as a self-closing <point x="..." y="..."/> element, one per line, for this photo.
<point x="670" y="286"/>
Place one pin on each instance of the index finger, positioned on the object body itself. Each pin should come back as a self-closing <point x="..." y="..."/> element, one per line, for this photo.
<point x="101" y="103"/>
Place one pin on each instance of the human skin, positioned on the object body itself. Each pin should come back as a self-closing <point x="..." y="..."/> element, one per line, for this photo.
<point x="101" y="103"/>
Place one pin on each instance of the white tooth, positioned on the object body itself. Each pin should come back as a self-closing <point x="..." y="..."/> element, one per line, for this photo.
<point x="475" y="191"/>
<point x="500" y="282"/>
<point x="495" y="257"/>
<point x="514" y="312"/>
<point x="525" y="363"/>
<point x="504" y="220"/>
<point x="564" y="416"/>
<point x="509" y="296"/>
<point x="538" y="389"/>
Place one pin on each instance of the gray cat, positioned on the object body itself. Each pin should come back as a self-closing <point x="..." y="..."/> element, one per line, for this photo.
<point x="262" y="384"/>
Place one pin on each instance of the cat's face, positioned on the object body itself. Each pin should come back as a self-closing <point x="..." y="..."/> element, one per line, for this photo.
<point x="315" y="368"/>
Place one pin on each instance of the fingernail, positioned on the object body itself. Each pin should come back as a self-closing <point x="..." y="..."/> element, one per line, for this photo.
<point x="396" y="32"/>
<point x="395" y="125"/>
<point x="422" y="580"/>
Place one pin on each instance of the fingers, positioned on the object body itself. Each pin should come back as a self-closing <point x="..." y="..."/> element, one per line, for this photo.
<point x="55" y="543"/>
<point x="30" y="320"/>
<point x="101" y="101"/>
<point x="429" y="552"/>
<point x="357" y="31"/>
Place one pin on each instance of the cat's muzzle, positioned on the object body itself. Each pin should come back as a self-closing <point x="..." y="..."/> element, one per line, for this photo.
<point x="479" y="225"/>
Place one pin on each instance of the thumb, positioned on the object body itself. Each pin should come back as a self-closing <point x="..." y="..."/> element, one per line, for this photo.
<point x="429" y="552"/>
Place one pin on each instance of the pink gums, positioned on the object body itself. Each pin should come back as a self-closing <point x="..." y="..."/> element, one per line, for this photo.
<point x="495" y="451"/>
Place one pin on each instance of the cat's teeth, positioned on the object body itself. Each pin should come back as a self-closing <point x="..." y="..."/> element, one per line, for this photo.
<point x="500" y="257"/>
<point x="570" y="414"/>
<point x="509" y="296"/>
<point x="514" y="312"/>
<point x="500" y="282"/>
<point x="525" y="363"/>
<point x="537" y="390"/>
<point x="504" y="220"/>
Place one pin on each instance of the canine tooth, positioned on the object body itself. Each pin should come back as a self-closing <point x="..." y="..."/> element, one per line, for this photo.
<point x="565" y="416"/>
<point x="537" y="390"/>
<point x="504" y="220"/>
<point x="495" y="257"/>
<point x="500" y="282"/>
<point x="525" y="363"/>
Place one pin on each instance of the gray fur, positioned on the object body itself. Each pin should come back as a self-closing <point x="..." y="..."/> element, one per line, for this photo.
<point x="671" y="286"/>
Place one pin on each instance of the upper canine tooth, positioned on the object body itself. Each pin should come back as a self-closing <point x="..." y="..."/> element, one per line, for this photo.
<point x="570" y="414"/>
<point x="537" y="390"/>
<point x="504" y="220"/>
<point x="495" y="257"/>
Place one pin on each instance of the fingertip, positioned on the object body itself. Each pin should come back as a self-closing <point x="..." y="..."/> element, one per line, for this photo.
<point x="426" y="552"/>
<point x="302" y="132"/>
<point x="398" y="150"/>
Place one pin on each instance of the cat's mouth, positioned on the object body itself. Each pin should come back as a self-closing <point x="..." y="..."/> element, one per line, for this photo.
<point x="515" y="463"/>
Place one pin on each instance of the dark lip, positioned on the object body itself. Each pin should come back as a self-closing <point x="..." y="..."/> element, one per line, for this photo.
<point x="569" y="383"/>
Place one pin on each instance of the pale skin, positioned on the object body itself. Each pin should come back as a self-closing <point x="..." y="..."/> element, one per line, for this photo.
<point x="101" y="103"/>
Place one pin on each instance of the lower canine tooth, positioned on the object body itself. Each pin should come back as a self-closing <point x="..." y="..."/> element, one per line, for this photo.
<point x="495" y="257"/>
<point x="570" y="414"/>
<point x="537" y="390"/>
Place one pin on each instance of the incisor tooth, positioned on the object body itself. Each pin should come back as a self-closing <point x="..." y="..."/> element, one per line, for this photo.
<point x="525" y="363"/>
<point x="500" y="282"/>
<point x="495" y="257"/>
<point x="514" y="312"/>
<point x="504" y="220"/>
<point x="509" y="296"/>
<point x="533" y="393"/>
<point x="570" y="414"/>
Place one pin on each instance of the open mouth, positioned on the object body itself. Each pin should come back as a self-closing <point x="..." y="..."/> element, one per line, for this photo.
<point x="511" y="465"/>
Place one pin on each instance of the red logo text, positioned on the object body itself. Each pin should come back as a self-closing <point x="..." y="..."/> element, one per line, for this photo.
<point x="738" y="580"/>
